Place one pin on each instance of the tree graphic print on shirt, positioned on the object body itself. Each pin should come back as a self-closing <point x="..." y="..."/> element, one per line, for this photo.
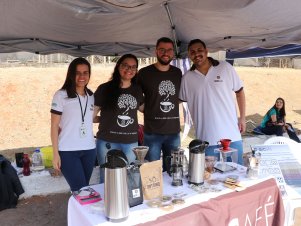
<point x="127" y="102"/>
<point x="166" y="89"/>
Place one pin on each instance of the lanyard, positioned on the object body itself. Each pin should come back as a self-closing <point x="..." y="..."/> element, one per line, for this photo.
<point x="81" y="108"/>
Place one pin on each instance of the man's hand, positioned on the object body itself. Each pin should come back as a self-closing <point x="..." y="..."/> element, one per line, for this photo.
<point x="241" y="102"/>
<point x="242" y="125"/>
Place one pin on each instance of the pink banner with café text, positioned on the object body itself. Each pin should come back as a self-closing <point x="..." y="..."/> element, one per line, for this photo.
<point x="259" y="205"/>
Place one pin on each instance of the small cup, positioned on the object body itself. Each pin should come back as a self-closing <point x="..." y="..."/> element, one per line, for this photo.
<point x="225" y="143"/>
<point x="210" y="163"/>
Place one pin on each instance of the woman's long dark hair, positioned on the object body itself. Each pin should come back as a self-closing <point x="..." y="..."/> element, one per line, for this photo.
<point x="70" y="84"/>
<point x="113" y="90"/>
<point x="282" y="112"/>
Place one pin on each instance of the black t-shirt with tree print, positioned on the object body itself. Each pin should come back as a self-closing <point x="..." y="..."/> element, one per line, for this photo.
<point x="120" y="123"/>
<point x="161" y="91"/>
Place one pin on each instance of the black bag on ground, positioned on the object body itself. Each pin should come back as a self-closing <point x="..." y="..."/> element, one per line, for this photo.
<point x="292" y="133"/>
<point x="10" y="185"/>
<point x="134" y="186"/>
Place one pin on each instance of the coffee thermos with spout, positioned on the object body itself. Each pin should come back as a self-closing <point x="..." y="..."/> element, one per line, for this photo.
<point x="197" y="161"/>
<point x="116" y="204"/>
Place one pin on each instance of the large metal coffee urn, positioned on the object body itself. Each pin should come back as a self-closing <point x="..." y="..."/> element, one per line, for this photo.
<point x="197" y="161"/>
<point x="116" y="203"/>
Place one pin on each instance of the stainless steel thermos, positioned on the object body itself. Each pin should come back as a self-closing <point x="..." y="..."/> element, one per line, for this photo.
<point x="197" y="161"/>
<point x="116" y="202"/>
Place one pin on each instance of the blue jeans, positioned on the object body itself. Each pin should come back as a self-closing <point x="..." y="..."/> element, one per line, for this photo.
<point x="236" y="145"/>
<point x="158" y="142"/>
<point x="77" y="167"/>
<point x="102" y="148"/>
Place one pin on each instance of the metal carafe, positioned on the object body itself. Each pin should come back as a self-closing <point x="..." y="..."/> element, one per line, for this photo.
<point x="253" y="161"/>
<point x="116" y="204"/>
<point x="197" y="161"/>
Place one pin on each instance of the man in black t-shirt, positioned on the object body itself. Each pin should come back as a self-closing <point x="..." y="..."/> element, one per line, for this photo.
<point x="160" y="84"/>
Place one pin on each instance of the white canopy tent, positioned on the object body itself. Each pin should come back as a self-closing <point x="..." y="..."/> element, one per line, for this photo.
<point x="115" y="27"/>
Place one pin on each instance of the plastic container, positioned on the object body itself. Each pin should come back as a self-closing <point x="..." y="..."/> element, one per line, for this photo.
<point x="47" y="156"/>
<point x="37" y="161"/>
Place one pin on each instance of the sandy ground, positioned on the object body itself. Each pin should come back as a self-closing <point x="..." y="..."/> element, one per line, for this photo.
<point x="26" y="94"/>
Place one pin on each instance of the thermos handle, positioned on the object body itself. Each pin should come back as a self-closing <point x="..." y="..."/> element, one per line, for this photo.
<point x="125" y="161"/>
<point x="168" y="164"/>
<point x="105" y="164"/>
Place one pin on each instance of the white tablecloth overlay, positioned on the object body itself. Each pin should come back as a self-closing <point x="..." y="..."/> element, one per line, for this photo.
<point x="93" y="214"/>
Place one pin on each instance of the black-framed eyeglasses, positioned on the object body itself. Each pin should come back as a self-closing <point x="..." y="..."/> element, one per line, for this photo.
<point x="129" y="67"/>
<point x="163" y="51"/>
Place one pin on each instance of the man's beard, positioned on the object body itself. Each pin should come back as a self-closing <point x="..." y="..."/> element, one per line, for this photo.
<point x="163" y="62"/>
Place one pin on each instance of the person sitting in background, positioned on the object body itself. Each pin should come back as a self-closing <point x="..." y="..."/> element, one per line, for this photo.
<point x="273" y="122"/>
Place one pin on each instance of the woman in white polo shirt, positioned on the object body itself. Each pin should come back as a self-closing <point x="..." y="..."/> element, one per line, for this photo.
<point x="71" y="126"/>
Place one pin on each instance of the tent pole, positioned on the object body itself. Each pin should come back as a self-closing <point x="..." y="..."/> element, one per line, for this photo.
<point x="173" y="27"/>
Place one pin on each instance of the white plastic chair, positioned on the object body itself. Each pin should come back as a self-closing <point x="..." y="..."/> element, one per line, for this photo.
<point x="280" y="140"/>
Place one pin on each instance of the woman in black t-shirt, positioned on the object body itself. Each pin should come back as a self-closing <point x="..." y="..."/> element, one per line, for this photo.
<point x="118" y="101"/>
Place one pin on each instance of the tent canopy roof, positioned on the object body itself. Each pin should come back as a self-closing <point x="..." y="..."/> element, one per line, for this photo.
<point x="115" y="27"/>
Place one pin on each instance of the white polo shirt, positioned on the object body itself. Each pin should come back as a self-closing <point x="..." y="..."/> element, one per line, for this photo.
<point x="71" y="121"/>
<point x="211" y="102"/>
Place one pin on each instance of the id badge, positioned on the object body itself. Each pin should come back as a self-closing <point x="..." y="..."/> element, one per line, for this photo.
<point x="83" y="131"/>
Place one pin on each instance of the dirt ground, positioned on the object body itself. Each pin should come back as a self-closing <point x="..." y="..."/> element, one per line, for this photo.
<point x="26" y="94"/>
<point x="48" y="210"/>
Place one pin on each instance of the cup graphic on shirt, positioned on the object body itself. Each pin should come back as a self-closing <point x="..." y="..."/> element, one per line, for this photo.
<point x="166" y="106"/>
<point x="124" y="120"/>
